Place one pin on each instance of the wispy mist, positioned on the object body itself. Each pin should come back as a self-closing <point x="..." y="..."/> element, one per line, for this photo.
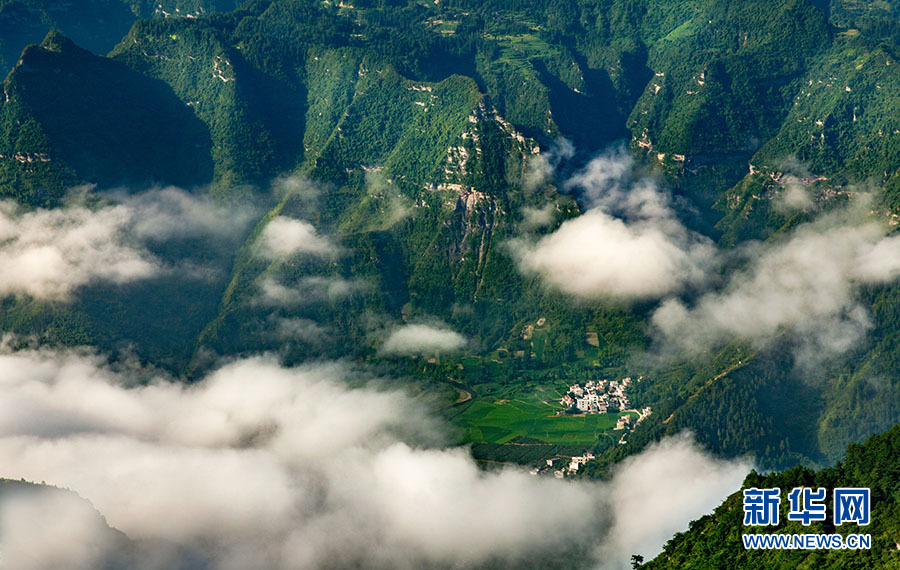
<point x="306" y="290"/>
<point x="50" y="253"/>
<point x="802" y="285"/>
<point x="172" y="213"/>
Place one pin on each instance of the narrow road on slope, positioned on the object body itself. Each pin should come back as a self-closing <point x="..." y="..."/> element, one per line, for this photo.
<point x="727" y="371"/>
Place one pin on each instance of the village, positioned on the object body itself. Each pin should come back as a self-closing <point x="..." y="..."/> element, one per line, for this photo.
<point x="597" y="397"/>
<point x="600" y="397"/>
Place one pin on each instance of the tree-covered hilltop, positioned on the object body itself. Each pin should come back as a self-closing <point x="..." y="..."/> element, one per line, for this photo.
<point x="714" y="541"/>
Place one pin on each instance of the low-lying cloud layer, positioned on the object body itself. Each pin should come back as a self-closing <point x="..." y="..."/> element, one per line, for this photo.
<point x="50" y="253"/>
<point x="806" y="284"/>
<point x="423" y="339"/>
<point x="258" y="466"/>
<point x="45" y="528"/>
<point x="669" y="483"/>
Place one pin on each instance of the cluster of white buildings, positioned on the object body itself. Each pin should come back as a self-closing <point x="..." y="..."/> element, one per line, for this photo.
<point x="571" y="468"/>
<point x="597" y="397"/>
<point x="576" y="462"/>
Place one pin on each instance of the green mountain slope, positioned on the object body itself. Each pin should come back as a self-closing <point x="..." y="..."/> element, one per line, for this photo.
<point x="718" y="70"/>
<point x="422" y="191"/>
<point x="714" y="541"/>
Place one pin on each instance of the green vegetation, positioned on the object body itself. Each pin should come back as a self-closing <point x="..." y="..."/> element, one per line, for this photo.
<point x="714" y="541"/>
<point x="500" y="416"/>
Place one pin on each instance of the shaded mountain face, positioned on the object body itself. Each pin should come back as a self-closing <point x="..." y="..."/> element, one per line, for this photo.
<point x="100" y="122"/>
<point x="421" y="159"/>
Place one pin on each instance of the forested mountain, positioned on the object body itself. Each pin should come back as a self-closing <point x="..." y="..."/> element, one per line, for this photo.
<point x="714" y="541"/>
<point x="407" y="135"/>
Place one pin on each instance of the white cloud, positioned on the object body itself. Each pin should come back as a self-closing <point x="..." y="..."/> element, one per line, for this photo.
<point x="879" y="262"/>
<point x="261" y="466"/>
<point x="629" y="244"/>
<point x="597" y="255"/>
<point x="423" y="340"/>
<point x="50" y="253"/>
<point x="285" y="236"/>
<point x="656" y="493"/>
<point x="806" y="284"/>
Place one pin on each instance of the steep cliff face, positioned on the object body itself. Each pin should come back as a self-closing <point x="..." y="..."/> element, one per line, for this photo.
<point x="254" y="123"/>
<point x="424" y="187"/>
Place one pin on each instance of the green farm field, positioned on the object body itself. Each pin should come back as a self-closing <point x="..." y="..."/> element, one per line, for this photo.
<point x="514" y="413"/>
